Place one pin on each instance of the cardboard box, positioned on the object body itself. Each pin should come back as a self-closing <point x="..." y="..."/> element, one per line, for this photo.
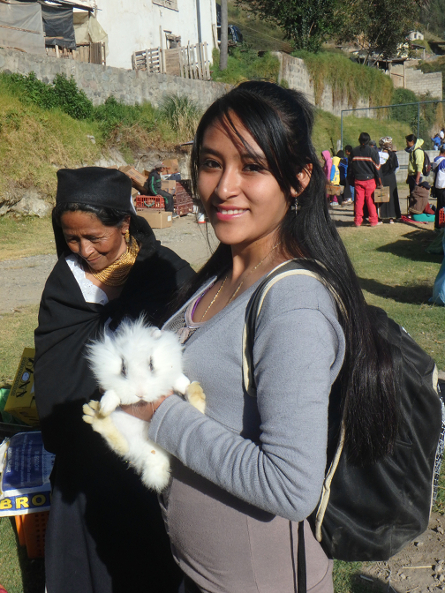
<point x="137" y="179"/>
<point x="381" y="195"/>
<point x="169" y="186"/>
<point x="171" y="166"/>
<point x="157" y="219"/>
<point x="21" y="402"/>
<point x="134" y="192"/>
<point x="25" y="467"/>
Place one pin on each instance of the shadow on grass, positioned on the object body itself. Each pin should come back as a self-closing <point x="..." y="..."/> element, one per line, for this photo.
<point x="416" y="294"/>
<point x="33" y="570"/>
<point x="413" y="248"/>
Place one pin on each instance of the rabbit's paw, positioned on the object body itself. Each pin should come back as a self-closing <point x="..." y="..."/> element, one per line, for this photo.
<point x="156" y="471"/>
<point x="108" y="402"/>
<point x="105" y="427"/>
<point x="196" y="396"/>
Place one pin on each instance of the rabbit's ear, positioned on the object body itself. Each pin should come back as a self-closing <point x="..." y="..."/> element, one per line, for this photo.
<point x="156" y="333"/>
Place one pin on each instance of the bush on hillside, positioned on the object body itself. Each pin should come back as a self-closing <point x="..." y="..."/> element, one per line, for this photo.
<point x="63" y="93"/>
<point x="244" y="64"/>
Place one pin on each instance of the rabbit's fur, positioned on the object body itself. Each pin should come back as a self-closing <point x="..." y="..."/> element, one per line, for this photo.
<point x="137" y="363"/>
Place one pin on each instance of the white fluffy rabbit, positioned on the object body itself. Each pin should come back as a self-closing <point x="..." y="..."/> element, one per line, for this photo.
<point x="137" y="363"/>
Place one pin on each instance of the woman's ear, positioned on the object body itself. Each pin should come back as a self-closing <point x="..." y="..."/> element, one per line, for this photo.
<point x="125" y="225"/>
<point x="303" y="177"/>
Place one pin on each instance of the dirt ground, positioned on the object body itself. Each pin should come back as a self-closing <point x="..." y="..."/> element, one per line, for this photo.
<point x="419" y="568"/>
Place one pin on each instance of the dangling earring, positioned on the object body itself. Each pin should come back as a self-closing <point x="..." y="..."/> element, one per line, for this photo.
<point x="127" y="237"/>
<point x="295" y="205"/>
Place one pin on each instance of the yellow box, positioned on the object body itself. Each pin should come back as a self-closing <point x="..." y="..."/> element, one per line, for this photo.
<point x="21" y="402"/>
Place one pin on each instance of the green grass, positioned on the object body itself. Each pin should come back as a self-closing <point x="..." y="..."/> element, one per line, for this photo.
<point x="25" y="236"/>
<point x="395" y="273"/>
<point x="327" y="130"/>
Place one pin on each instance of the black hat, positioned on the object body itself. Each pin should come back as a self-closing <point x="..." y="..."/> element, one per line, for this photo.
<point x="425" y="184"/>
<point x="96" y="186"/>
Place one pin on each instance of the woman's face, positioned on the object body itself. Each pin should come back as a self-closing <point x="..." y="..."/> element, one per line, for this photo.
<point x="97" y="244"/>
<point x="241" y="197"/>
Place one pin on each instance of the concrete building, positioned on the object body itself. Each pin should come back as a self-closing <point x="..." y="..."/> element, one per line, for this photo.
<point x="145" y="24"/>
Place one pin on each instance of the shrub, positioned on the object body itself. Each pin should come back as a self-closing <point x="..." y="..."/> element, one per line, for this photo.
<point x="62" y="93"/>
<point x="245" y="64"/>
<point x="181" y="114"/>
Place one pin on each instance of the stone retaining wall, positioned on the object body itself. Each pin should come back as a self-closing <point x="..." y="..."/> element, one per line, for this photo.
<point x="99" y="82"/>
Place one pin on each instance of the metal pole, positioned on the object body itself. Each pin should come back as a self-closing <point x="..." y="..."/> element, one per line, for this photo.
<point x="341" y="130"/>
<point x="418" y="120"/>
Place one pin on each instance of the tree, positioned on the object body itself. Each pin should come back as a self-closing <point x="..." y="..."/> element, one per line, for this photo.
<point x="379" y="26"/>
<point x="307" y="23"/>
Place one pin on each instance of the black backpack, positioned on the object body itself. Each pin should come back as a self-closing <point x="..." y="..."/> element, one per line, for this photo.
<point x="426" y="169"/>
<point x="372" y="512"/>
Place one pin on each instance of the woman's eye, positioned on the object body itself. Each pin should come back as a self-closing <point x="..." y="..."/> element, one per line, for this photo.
<point x="209" y="164"/>
<point x="253" y="167"/>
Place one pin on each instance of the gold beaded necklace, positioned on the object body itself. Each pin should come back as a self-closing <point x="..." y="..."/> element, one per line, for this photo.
<point x="117" y="273"/>
<point x="240" y="284"/>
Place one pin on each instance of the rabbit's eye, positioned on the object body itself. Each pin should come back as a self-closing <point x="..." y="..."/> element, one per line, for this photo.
<point x="123" y="369"/>
<point x="150" y="364"/>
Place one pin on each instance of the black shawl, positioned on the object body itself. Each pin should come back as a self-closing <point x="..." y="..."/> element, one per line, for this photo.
<point x="105" y="533"/>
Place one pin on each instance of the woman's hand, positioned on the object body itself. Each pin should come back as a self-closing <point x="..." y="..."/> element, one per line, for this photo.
<point x="144" y="410"/>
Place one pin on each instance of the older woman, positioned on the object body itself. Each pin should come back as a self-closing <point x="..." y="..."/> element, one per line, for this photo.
<point x="388" y="166"/>
<point x="105" y="531"/>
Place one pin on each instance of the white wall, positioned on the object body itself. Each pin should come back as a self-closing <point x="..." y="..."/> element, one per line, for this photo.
<point x="133" y="26"/>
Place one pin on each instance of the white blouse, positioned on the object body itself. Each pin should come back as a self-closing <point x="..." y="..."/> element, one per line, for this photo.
<point x="91" y="293"/>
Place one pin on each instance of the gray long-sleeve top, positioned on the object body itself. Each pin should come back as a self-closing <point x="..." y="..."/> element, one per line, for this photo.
<point x="269" y="451"/>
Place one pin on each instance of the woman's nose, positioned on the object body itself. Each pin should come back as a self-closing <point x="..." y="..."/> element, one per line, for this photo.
<point x="85" y="249"/>
<point x="228" y="184"/>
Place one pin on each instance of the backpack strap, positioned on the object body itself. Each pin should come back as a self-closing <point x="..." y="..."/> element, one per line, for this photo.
<point x="290" y="268"/>
<point x="254" y="306"/>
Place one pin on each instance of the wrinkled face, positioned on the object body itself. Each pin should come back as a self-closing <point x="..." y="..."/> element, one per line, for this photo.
<point x="97" y="244"/>
<point x="241" y="197"/>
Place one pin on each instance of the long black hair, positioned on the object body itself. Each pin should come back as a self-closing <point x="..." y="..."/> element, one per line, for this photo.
<point x="280" y="121"/>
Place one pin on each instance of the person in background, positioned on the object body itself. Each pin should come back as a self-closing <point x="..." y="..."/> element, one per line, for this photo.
<point x="437" y="141"/>
<point x="153" y="187"/>
<point x="335" y="177"/>
<point x="415" y="161"/>
<point x="438" y="166"/>
<point x="105" y="532"/>
<point x="388" y="166"/>
<point x="348" y="194"/>
<point x="365" y="176"/>
<point x="419" y="206"/>
<point x="327" y="160"/>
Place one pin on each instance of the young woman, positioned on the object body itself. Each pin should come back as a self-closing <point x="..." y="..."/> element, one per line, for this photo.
<point x="250" y="469"/>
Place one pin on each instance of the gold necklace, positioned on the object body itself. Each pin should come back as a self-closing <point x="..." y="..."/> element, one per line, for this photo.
<point x="117" y="273"/>
<point x="214" y="298"/>
<point x="251" y="272"/>
<point x="240" y="284"/>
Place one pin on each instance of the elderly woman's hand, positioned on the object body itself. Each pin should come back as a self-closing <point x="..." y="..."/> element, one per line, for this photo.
<point x="144" y="410"/>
